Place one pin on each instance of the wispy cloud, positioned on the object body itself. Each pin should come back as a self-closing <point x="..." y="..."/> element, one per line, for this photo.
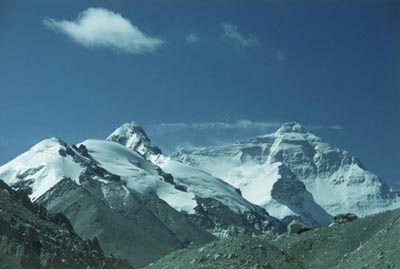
<point x="334" y="127"/>
<point x="191" y="38"/>
<point x="241" y="124"/>
<point x="280" y="57"/>
<point x="99" y="27"/>
<point x="177" y="135"/>
<point x="231" y="31"/>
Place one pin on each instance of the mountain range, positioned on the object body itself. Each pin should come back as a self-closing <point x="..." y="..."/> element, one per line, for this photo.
<point x="141" y="204"/>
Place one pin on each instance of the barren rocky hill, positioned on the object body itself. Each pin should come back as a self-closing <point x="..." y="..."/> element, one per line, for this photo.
<point x="31" y="238"/>
<point x="370" y="242"/>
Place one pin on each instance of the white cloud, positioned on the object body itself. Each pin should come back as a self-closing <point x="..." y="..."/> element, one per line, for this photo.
<point x="231" y="31"/>
<point x="191" y="38"/>
<point x="99" y="27"/>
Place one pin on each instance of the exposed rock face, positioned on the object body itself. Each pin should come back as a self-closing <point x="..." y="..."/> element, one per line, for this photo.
<point x="141" y="228"/>
<point x="218" y="218"/>
<point x="336" y="180"/>
<point x="30" y="238"/>
<point x="289" y="192"/>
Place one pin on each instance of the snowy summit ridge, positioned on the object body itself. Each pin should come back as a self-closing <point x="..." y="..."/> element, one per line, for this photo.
<point x="338" y="181"/>
<point x="129" y="160"/>
<point x="132" y="136"/>
<point x="245" y="186"/>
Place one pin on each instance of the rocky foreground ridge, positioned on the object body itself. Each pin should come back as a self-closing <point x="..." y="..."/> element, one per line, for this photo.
<point x="31" y="238"/>
<point x="369" y="242"/>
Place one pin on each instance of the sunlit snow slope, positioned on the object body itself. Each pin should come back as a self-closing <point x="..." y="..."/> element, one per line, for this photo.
<point x="41" y="167"/>
<point x="190" y="190"/>
<point x="337" y="181"/>
<point x="299" y="203"/>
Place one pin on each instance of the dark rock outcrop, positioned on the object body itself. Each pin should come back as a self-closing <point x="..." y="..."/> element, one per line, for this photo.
<point x="31" y="238"/>
<point x="217" y="217"/>
<point x="344" y="218"/>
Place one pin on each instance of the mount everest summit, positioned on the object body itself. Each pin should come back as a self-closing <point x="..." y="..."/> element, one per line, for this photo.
<point x="125" y="188"/>
<point x="338" y="182"/>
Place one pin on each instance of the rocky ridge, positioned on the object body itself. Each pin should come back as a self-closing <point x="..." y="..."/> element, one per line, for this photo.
<point x="369" y="242"/>
<point x="31" y="238"/>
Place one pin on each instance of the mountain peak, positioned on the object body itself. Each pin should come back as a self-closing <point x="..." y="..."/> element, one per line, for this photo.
<point x="49" y="143"/>
<point x="292" y="127"/>
<point x="132" y="135"/>
<point x="128" y="129"/>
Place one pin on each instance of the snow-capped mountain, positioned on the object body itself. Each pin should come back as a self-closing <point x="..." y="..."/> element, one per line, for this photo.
<point x="208" y="201"/>
<point x="109" y="192"/>
<point x="298" y="203"/>
<point x="51" y="160"/>
<point x="193" y="180"/>
<point x="212" y="196"/>
<point x="243" y="187"/>
<point x="338" y="182"/>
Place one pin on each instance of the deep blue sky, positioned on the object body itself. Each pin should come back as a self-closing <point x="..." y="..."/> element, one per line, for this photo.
<point x="339" y="64"/>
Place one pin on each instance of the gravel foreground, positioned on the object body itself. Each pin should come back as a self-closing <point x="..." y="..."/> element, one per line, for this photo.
<point x="370" y="242"/>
